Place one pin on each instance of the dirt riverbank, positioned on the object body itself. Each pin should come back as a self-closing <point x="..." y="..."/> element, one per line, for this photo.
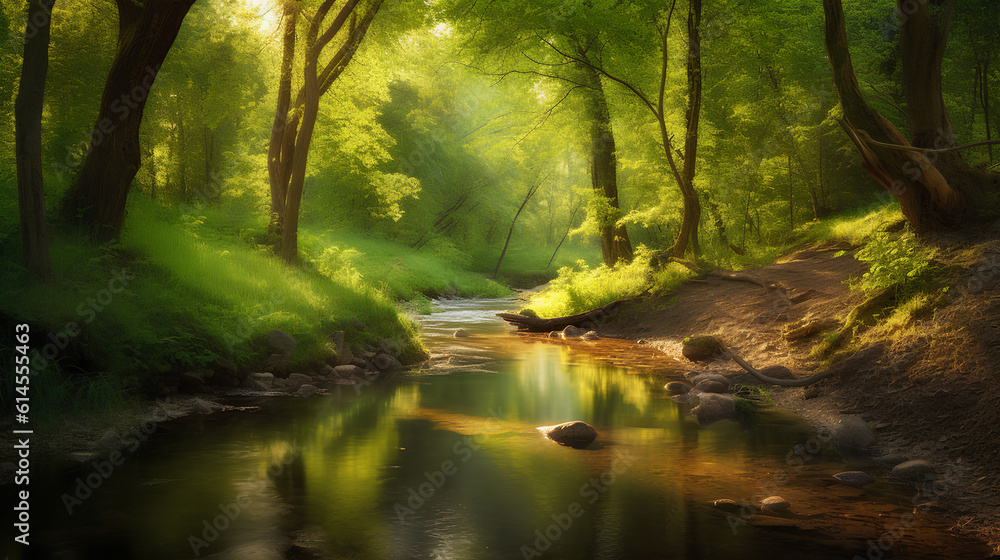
<point x="927" y="383"/>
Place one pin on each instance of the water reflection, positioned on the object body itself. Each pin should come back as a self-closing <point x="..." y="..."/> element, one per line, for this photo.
<point x="450" y="466"/>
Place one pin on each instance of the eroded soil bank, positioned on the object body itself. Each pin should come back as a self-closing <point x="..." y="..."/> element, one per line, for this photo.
<point x="928" y="381"/>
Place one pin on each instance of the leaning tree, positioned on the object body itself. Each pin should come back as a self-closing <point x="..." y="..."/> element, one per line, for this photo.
<point x="95" y="201"/>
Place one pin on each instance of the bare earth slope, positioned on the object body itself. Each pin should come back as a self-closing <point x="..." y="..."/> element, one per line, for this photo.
<point x="929" y="387"/>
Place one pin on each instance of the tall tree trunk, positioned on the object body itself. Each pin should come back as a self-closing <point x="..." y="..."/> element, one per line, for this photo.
<point x="692" y="207"/>
<point x="277" y="161"/>
<point x="296" y="133"/>
<point x="95" y="201"/>
<point x="923" y="193"/>
<point x="615" y="243"/>
<point x="28" y="140"/>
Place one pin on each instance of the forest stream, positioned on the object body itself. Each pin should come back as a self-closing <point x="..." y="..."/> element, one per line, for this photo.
<point x="445" y="462"/>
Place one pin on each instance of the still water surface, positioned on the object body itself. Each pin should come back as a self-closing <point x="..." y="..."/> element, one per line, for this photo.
<point x="445" y="463"/>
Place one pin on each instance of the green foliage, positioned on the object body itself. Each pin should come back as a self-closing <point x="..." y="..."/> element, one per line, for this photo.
<point x="580" y="288"/>
<point x="898" y="261"/>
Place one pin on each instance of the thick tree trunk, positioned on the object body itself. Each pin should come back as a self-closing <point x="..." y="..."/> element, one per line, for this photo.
<point x="921" y="43"/>
<point x="96" y="199"/>
<point x="28" y="140"/>
<point x="615" y="243"/>
<point x="924" y="194"/>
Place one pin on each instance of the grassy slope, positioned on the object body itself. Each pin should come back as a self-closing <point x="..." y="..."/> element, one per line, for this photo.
<point x="185" y="291"/>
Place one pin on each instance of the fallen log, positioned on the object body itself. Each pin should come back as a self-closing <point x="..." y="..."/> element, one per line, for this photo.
<point x="587" y="319"/>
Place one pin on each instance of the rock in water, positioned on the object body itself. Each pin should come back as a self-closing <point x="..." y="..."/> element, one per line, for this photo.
<point x="914" y="471"/>
<point x="727" y="505"/>
<point x="590" y="335"/>
<point x="775" y="504"/>
<point x="856" y="479"/>
<point x="713" y="408"/>
<point x="677" y="388"/>
<point x="701" y="348"/>
<point x="386" y="362"/>
<point x="306" y="391"/>
<point x="573" y="332"/>
<point x="574" y="434"/>
<point x="460" y="333"/>
<point x="348" y="371"/>
<point x="852" y="436"/>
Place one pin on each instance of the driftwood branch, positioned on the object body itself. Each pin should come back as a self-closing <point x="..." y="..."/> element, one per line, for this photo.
<point x="587" y="319"/>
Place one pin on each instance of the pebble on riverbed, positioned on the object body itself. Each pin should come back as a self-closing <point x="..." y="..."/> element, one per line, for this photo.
<point x="856" y="479"/>
<point x="461" y="333"/>
<point x="774" y="504"/>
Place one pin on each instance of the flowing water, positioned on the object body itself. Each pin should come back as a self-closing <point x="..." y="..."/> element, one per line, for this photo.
<point x="445" y="463"/>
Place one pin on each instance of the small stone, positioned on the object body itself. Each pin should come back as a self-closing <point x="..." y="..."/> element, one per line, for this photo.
<point x="461" y="333"/>
<point x="590" y="335"/>
<point x="778" y="372"/>
<point x="775" y="504"/>
<point x="914" y="471"/>
<point x="201" y="407"/>
<point x="699" y="377"/>
<point x="111" y="440"/>
<point x="327" y="371"/>
<point x="701" y="348"/>
<point x="711" y="386"/>
<point x="360" y="362"/>
<point x="856" y="479"/>
<point x="296" y="380"/>
<point x="573" y="332"/>
<point x="811" y="392"/>
<point x="306" y="391"/>
<point x="727" y="505"/>
<point x="348" y="371"/>
<point x="554" y="334"/>
<point x="262" y="380"/>
<point x="677" y="388"/>
<point x="345" y="356"/>
<point x="386" y="362"/>
<point x="713" y="408"/>
<point x="852" y="436"/>
<point x="281" y="342"/>
<point x="574" y="434"/>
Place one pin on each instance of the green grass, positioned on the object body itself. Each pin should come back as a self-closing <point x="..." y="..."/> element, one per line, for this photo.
<point x="188" y="288"/>
<point x="579" y="288"/>
<point x="397" y="271"/>
<point x="582" y="286"/>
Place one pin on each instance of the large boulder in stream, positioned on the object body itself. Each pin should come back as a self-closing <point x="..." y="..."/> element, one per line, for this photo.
<point x="576" y="434"/>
